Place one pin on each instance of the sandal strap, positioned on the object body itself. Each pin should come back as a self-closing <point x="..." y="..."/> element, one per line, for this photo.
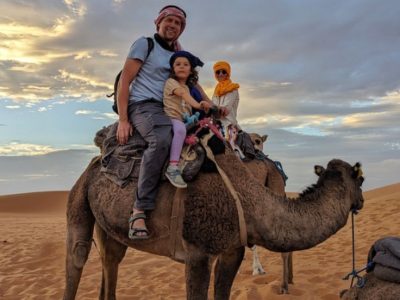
<point x="137" y="216"/>
<point x="133" y="233"/>
<point x="136" y="230"/>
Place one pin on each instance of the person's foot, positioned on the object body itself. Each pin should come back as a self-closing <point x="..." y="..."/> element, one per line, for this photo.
<point x="174" y="176"/>
<point x="137" y="225"/>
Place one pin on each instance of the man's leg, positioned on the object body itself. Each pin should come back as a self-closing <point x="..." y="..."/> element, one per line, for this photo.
<point x="155" y="127"/>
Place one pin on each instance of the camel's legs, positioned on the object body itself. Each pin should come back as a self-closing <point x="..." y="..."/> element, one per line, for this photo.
<point x="80" y="224"/>
<point x="112" y="253"/>
<point x="287" y="263"/>
<point x="198" y="269"/>
<point x="290" y="264"/>
<point x="257" y="267"/>
<point x="287" y="272"/>
<point x="225" y="271"/>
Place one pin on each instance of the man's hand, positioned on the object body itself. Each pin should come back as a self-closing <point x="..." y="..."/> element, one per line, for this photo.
<point x="124" y="131"/>
<point x="223" y="111"/>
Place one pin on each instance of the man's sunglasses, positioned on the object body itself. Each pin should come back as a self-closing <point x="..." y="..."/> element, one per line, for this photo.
<point x="223" y="72"/>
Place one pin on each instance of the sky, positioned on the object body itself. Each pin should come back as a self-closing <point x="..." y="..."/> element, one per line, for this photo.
<point x="320" y="77"/>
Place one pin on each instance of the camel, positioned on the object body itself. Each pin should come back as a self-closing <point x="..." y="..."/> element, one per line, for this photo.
<point x="374" y="289"/>
<point x="210" y="226"/>
<point x="258" y="140"/>
<point x="276" y="183"/>
<point x="268" y="174"/>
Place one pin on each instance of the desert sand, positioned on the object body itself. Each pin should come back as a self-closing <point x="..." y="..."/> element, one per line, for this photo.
<point x="32" y="254"/>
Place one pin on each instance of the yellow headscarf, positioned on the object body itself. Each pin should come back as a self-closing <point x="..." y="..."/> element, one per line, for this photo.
<point x="225" y="86"/>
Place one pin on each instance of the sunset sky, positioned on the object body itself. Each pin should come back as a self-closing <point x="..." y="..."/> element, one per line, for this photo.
<point x="321" y="78"/>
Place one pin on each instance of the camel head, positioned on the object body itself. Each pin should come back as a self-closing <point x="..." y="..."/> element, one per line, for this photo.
<point x="258" y="140"/>
<point x="351" y="175"/>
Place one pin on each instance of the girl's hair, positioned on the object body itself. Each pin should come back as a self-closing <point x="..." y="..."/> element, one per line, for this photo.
<point x="191" y="80"/>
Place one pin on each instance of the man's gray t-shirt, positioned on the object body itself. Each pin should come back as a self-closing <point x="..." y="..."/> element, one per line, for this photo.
<point x="150" y="81"/>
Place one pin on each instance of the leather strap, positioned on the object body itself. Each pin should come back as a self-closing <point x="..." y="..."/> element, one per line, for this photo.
<point x="176" y="221"/>
<point x="231" y="189"/>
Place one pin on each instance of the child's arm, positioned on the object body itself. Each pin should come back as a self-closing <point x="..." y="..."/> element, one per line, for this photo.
<point x="203" y="94"/>
<point x="185" y="95"/>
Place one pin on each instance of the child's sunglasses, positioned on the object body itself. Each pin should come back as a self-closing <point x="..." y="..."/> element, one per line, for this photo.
<point x="223" y="72"/>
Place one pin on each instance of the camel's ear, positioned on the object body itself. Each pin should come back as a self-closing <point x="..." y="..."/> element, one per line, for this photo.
<point x="357" y="171"/>
<point x="264" y="137"/>
<point x="318" y="170"/>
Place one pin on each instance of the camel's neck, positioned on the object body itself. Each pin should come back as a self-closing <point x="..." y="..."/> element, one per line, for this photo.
<point x="286" y="225"/>
<point x="301" y="223"/>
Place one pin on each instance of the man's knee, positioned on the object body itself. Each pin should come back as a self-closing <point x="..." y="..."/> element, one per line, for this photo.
<point x="162" y="138"/>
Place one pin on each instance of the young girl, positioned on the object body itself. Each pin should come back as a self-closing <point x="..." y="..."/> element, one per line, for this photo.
<point x="177" y="101"/>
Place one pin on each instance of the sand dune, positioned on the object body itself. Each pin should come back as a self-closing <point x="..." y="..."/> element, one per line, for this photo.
<point x="32" y="254"/>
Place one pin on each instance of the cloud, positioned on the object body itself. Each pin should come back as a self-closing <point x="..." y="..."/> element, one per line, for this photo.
<point x="96" y="115"/>
<point x="52" y="171"/>
<point x="85" y="112"/>
<point x="321" y="78"/>
<point x="284" y="50"/>
<point x="22" y="149"/>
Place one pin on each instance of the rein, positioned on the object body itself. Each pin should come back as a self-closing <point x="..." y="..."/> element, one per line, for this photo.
<point x="231" y="189"/>
<point x="354" y="273"/>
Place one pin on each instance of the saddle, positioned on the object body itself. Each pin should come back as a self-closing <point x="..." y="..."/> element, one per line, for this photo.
<point x="384" y="259"/>
<point x="121" y="163"/>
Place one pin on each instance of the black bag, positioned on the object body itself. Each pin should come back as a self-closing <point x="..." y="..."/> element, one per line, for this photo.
<point x="150" y="47"/>
<point x="245" y="144"/>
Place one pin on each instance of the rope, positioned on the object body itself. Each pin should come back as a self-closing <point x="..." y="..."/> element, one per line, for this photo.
<point x="354" y="273"/>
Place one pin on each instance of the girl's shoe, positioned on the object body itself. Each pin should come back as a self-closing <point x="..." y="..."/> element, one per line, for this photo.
<point x="174" y="176"/>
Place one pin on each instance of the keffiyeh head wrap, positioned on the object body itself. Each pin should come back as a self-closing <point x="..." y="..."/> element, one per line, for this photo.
<point x="171" y="10"/>
<point x="225" y="86"/>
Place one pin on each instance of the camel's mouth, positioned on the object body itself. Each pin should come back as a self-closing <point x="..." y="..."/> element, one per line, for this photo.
<point x="359" y="205"/>
<point x="360" y="202"/>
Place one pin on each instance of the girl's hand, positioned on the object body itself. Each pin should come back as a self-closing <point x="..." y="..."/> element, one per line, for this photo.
<point x="205" y="105"/>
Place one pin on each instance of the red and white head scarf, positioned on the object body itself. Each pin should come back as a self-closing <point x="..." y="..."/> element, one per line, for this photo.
<point x="171" y="11"/>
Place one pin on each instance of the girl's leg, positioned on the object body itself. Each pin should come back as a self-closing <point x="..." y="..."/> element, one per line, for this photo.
<point x="178" y="139"/>
<point x="173" y="173"/>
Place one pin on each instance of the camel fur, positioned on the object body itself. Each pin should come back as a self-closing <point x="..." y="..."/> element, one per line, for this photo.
<point x="275" y="183"/>
<point x="267" y="173"/>
<point x="210" y="225"/>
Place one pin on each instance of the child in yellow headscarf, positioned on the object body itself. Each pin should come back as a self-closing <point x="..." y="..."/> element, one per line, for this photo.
<point x="226" y="95"/>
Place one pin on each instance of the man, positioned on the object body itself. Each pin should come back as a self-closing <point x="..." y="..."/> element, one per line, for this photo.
<point x="140" y="106"/>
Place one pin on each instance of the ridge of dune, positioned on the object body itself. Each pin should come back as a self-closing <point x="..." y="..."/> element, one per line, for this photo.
<point x="384" y="191"/>
<point x="55" y="200"/>
<point x="35" y="202"/>
<point x="32" y="256"/>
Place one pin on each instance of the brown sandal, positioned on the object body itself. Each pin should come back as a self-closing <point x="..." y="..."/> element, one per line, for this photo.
<point x="133" y="231"/>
